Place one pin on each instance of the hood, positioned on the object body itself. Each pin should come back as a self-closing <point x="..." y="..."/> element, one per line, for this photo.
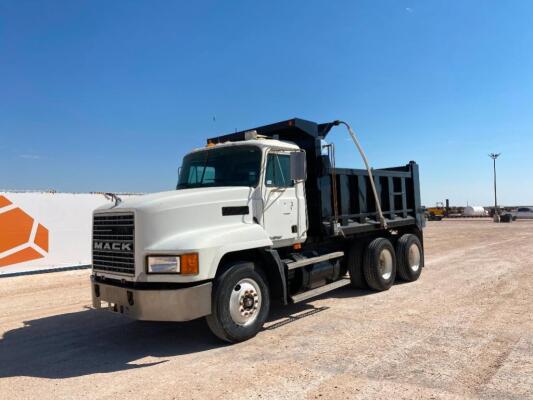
<point x="177" y="198"/>
<point x="163" y="219"/>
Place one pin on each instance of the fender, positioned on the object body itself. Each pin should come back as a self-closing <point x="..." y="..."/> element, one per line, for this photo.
<point x="278" y="279"/>
<point x="212" y="243"/>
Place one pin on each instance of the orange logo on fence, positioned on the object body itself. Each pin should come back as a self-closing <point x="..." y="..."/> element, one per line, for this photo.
<point x="21" y="237"/>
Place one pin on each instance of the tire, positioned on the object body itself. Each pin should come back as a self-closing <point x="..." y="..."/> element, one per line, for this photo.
<point x="355" y="266"/>
<point x="231" y="320"/>
<point x="379" y="264"/>
<point x="410" y="257"/>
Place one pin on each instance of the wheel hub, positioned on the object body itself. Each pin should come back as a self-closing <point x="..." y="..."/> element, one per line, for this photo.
<point x="414" y="257"/>
<point x="245" y="302"/>
<point x="385" y="264"/>
<point x="248" y="302"/>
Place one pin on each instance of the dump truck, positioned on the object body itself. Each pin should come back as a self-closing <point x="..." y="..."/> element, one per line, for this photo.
<point x="258" y="217"/>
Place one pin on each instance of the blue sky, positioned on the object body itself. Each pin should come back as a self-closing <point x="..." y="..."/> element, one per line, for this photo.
<point x="108" y="96"/>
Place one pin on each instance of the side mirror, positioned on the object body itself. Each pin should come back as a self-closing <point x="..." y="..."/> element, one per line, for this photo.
<point x="298" y="166"/>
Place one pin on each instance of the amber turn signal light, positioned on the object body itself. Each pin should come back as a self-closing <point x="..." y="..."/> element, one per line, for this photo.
<point x="189" y="264"/>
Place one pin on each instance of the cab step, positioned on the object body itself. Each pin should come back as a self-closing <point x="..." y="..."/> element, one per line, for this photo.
<point x="320" y="290"/>
<point x="313" y="260"/>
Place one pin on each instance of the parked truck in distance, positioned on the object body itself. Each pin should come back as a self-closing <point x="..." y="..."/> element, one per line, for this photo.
<point x="257" y="217"/>
<point x="522" y="213"/>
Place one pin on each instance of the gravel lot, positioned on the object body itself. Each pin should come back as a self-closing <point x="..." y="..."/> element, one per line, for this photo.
<point x="464" y="330"/>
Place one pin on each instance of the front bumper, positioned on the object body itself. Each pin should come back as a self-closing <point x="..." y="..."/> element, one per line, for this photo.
<point x="154" y="305"/>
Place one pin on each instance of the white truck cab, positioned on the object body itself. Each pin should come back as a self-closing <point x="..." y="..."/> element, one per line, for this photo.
<point x="231" y="237"/>
<point x="230" y="197"/>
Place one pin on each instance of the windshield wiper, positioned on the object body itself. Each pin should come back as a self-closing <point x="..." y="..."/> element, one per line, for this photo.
<point x="205" y="166"/>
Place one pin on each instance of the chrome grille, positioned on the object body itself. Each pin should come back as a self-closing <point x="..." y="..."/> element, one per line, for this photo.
<point x="113" y="243"/>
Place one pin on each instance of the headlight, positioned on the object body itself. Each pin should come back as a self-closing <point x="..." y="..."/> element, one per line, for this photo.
<point x="163" y="265"/>
<point x="184" y="264"/>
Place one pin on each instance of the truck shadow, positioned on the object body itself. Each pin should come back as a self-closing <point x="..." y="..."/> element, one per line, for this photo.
<point x="89" y="341"/>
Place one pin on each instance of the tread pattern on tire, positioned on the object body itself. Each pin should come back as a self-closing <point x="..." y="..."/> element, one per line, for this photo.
<point x="405" y="273"/>
<point x="370" y="269"/>
<point x="355" y="266"/>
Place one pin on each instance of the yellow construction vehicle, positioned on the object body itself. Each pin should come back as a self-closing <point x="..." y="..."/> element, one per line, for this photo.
<point x="438" y="212"/>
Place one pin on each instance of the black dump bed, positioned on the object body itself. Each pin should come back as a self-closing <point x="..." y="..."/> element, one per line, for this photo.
<point x="353" y="206"/>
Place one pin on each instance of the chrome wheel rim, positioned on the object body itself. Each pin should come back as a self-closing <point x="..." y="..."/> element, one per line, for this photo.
<point x="414" y="257"/>
<point x="385" y="264"/>
<point x="245" y="302"/>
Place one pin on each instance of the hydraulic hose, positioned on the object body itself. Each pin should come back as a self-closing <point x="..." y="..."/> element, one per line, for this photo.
<point x="382" y="220"/>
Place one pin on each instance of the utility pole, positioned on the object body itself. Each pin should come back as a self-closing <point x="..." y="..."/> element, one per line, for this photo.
<point x="494" y="156"/>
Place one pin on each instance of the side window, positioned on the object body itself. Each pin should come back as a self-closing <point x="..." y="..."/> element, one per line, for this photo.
<point x="278" y="171"/>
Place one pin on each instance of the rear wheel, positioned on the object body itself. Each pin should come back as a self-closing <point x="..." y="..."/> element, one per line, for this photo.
<point x="379" y="264"/>
<point x="355" y="266"/>
<point x="240" y="303"/>
<point x="410" y="256"/>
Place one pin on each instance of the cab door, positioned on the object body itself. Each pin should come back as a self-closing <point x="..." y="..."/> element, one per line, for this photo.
<point x="284" y="216"/>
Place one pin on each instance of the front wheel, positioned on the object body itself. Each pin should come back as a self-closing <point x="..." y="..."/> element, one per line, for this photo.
<point x="240" y="303"/>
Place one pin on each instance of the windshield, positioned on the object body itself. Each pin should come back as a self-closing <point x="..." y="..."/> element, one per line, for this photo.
<point x="226" y="166"/>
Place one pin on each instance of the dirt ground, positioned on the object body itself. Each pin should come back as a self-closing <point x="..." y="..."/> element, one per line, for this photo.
<point x="464" y="330"/>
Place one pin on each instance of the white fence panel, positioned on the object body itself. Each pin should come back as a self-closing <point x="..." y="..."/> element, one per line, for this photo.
<point x="42" y="230"/>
